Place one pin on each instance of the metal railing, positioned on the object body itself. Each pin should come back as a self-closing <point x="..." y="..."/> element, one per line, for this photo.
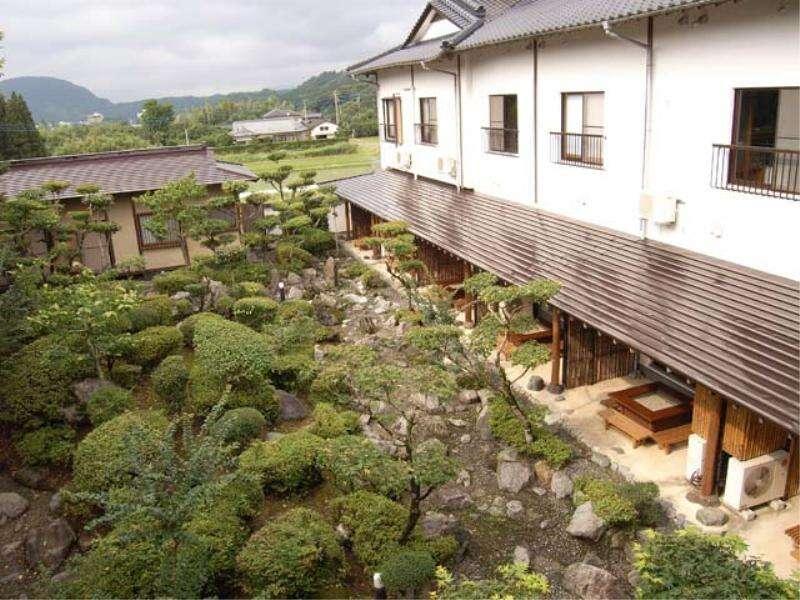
<point x="388" y="132"/>
<point x="580" y="149"/>
<point x="504" y="141"/>
<point x="427" y="133"/>
<point x="756" y="170"/>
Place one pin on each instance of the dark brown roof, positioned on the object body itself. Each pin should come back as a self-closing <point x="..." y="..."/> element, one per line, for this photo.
<point x="121" y="171"/>
<point x="728" y="327"/>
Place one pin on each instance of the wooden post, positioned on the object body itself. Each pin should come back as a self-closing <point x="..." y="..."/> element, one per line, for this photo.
<point x="555" y="386"/>
<point x="468" y="299"/>
<point x="716" y="420"/>
<point x="348" y="223"/>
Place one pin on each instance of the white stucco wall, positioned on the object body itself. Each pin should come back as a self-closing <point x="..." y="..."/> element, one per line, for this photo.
<point x="696" y="71"/>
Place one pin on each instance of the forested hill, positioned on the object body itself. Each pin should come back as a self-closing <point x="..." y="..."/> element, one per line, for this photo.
<point x="53" y="100"/>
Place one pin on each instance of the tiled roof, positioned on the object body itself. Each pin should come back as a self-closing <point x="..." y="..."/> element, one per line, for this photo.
<point x="536" y="17"/>
<point x="270" y="126"/>
<point x="508" y="20"/>
<point x="121" y="171"/>
<point x="733" y="329"/>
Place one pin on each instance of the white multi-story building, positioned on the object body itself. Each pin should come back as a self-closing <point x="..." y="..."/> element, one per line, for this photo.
<point x="644" y="153"/>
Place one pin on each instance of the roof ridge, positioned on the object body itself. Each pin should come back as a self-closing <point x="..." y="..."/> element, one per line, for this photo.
<point x="39" y="160"/>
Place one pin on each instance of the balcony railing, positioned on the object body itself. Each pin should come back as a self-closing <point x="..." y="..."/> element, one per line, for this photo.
<point x="756" y="170"/>
<point x="580" y="149"/>
<point x="388" y="132"/>
<point x="427" y="133"/>
<point x="503" y="141"/>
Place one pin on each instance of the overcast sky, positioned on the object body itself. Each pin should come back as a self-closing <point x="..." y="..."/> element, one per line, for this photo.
<point x="133" y="49"/>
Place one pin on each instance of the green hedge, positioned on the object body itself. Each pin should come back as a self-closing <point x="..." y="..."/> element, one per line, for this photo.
<point x="108" y="402"/>
<point x="254" y="311"/>
<point x="37" y="382"/>
<point x="231" y="352"/>
<point x="407" y="570"/>
<point x="289" y="464"/>
<point x="152" y="311"/>
<point x="188" y="325"/>
<point x="239" y="425"/>
<point x="105" y="457"/>
<point x="375" y="522"/>
<point x="248" y="289"/>
<point x="294" y="556"/>
<point x="330" y="422"/>
<point x="47" y="446"/>
<point x="172" y="282"/>
<point x="152" y="345"/>
<point x="170" y="382"/>
<point x="125" y="375"/>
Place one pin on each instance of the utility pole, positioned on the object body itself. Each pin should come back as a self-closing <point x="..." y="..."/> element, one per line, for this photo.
<point x="336" y="105"/>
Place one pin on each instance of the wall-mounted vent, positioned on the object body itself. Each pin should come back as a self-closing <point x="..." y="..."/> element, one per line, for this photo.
<point x="659" y="209"/>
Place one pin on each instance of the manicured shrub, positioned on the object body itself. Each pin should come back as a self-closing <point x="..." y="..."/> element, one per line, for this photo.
<point x="353" y="463"/>
<point x="331" y="385"/>
<point x="619" y="503"/>
<point x="255" y="311"/>
<point x="508" y="428"/>
<point x="293" y="556"/>
<point x="104" y="458"/>
<point x="692" y="564"/>
<point x="375" y="522"/>
<point x="408" y="570"/>
<point x="187" y="326"/>
<point x="288" y="464"/>
<point x="231" y="352"/>
<point x="292" y="310"/>
<point x="443" y="548"/>
<point x="152" y="345"/>
<point x="47" y="446"/>
<point x="171" y="282"/>
<point x="242" y="493"/>
<point x="183" y="308"/>
<point x="330" y="422"/>
<point x="239" y="425"/>
<point x="153" y="311"/>
<point x="317" y="241"/>
<point x="205" y="391"/>
<point x="37" y="380"/>
<point x="294" y="371"/>
<point x="293" y="258"/>
<point x="125" y="375"/>
<point x="219" y="533"/>
<point x="553" y="449"/>
<point x="224" y="306"/>
<point x="108" y="402"/>
<point x="170" y="382"/>
<point x="248" y="289"/>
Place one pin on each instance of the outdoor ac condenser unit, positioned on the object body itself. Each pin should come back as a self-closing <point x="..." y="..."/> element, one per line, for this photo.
<point x="756" y="481"/>
<point x="694" y="457"/>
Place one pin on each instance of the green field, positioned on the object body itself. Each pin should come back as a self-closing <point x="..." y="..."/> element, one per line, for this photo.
<point x="365" y="160"/>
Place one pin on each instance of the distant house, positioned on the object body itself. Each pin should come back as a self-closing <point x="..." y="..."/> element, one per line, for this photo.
<point x="125" y="175"/>
<point x="94" y="119"/>
<point x="282" y="125"/>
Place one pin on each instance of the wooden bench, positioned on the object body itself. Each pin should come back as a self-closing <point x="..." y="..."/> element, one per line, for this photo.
<point x="794" y="533"/>
<point x="672" y="437"/>
<point x="636" y="432"/>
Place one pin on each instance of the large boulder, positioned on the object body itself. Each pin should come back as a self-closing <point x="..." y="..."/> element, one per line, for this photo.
<point x="588" y="581"/>
<point x="585" y="524"/>
<point x="12" y="505"/>
<point x="292" y="408"/>
<point x="435" y="524"/>
<point x="711" y="516"/>
<point x="512" y="476"/>
<point x="49" y="544"/>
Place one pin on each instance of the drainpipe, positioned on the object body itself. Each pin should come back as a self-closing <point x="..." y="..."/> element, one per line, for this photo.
<point x="648" y="96"/>
<point x="413" y="118"/>
<point x="457" y="86"/>
<point x="536" y="121"/>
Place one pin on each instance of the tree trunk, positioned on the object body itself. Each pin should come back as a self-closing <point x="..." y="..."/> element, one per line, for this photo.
<point x="414" y="511"/>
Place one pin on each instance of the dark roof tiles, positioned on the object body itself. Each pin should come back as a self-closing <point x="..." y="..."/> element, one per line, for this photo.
<point x="733" y="329"/>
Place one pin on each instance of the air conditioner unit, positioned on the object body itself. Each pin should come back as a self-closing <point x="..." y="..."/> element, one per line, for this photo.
<point x="661" y="210"/>
<point x="756" y="481"/>
<point x="694" y="457"/>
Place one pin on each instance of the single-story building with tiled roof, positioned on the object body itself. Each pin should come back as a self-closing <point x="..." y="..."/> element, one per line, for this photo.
<point x="125" y="175"/>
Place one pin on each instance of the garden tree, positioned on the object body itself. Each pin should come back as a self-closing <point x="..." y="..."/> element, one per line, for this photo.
<point x="409" y="393"/>
<point x="156" y="120"/>
<point x="26" y="219"/>
<point x="263" y="230"/>
<point x="91" y="317"/>
<point x="179" y="518"/>
<point x="95" y="219"/>
<point x="358" y="119"/>
<point x="234" y="189"/>
<point x="84" y="139"/>
<point x="212" y="232"/>
<point x="22" y="139"/>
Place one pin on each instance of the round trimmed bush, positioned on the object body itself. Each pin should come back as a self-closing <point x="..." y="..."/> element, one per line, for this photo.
<point x="288" y="464"/>
<point x="37" y="380"/>
<point x="47" y="446"/>
<point x="231" y="352"/>
<point x="376" y="524"/>
<point x="352" y="463"/>
<point x="150" y="346"/>
<point x="254" y="311"/>
<point x="331" y="423"/>
<point x="294" y="309"/>
<point x="294" y="556"/>
<point x="172" y="282"/>
<point x="239" y="425"/>
<point x="187" y="326"/>
<point x="205" y="392"/>
<point x="104" y="458"/>
<point x="125" y="375"/>
<point x="407" y="570"/>
<point x="224" y="306"/>
<point x="183" y="308"/>
<point x="108" y="402"/>
<point x="153" y="311"/>
<point x="248" y="289"/>
<point x="170" y="382"/>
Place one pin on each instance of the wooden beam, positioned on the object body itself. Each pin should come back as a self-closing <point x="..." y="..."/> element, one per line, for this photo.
<point x="555" y="386"/>
<point x="715" y="421"/>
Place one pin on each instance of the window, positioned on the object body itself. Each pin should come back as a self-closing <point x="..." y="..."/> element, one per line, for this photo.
<point x="580" y="140"/>
<point x="148" y="240"/>
<point x="392" y="120"/>
<point x="502" y="134"/>
<point x="764" y="156"/>
<point x="427" y="130"/>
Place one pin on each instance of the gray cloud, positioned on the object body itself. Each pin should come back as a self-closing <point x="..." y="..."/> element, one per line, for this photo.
<point x="130" y="49"/>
